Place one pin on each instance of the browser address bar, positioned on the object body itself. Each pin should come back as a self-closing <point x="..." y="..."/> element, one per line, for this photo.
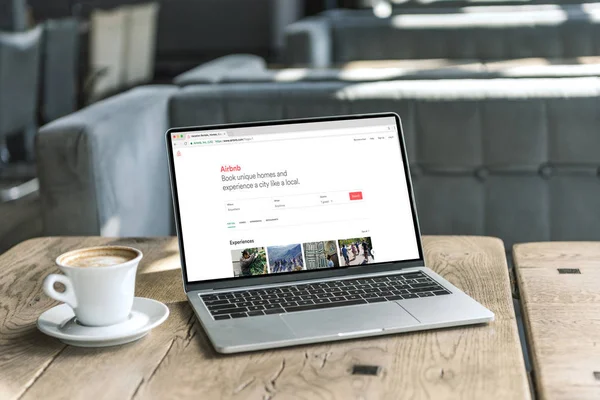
<point x="212" y="138"/>
<point x="306" y="134"/>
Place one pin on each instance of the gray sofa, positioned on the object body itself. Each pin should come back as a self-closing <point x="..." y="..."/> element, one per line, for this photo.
<point x="517" y="159"/>
<point x="481" y="33"/>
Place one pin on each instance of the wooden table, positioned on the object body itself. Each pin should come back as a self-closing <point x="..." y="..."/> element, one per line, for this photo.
<point x="177" y="361"/>
<point x="562" y="316"/>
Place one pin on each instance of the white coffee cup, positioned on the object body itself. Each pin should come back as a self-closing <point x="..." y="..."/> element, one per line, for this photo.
<point x="99" y="283"/>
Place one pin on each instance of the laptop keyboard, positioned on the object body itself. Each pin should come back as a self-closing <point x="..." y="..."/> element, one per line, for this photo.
<point x="314" y="296"/>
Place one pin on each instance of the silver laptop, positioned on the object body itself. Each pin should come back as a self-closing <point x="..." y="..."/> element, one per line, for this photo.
<point x="304" y="231"/>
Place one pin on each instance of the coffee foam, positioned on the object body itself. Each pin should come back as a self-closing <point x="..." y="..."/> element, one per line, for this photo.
<point x="98" y="257"/>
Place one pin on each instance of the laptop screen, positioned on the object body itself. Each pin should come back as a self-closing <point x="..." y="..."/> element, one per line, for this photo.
<point x="292" y="197"/>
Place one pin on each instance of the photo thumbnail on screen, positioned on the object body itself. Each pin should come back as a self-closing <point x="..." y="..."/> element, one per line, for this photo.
<point x="356" y="251"/>
<point x="249" y="261"/>
<point x="321" y="255"/>
<point x="286" y="258"/>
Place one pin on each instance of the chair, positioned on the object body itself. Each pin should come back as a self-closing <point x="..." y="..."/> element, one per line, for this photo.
<point x="13" y="15"/>
<point x="60" y="68"/>
<point x="122" y="47"/>
<point x="107" y="51"/>
<point x="140" y="43"/>
<point x="19" y="75"/>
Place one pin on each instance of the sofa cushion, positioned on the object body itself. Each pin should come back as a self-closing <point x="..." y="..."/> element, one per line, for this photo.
<point x="219" y="69"/>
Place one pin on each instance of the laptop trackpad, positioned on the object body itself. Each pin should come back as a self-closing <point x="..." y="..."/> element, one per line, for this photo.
<point x="349" y="319"/>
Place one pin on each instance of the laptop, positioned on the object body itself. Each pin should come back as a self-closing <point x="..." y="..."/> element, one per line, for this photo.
<point x="303" y="231"/>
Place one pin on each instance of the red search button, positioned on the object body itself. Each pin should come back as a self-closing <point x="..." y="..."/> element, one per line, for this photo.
<point x="355" y="195"/>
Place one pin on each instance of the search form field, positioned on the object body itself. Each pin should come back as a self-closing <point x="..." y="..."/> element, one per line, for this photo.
<point x="265" y="204"/>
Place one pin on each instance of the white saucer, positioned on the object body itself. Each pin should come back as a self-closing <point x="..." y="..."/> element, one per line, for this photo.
<point x="60" y="322"/>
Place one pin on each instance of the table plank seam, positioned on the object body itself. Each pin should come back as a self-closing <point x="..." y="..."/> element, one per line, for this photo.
<point x="41" y="373"/>
<point x="533" y="381"/>
<point x="536" y="387"/>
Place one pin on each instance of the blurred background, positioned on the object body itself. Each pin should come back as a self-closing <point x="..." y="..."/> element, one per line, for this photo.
<point x="499" y="101"/>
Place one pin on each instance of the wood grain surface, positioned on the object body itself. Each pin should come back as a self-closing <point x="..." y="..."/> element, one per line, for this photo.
<point x="176" y="360"/>
<point x="562" y="316"/>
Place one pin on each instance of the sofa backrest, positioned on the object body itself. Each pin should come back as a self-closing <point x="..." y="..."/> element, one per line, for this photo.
<point x="514" y="159"/>
<point x="399" y="7"/>
<point x="558" y="32"/>
<point x="482" y="33"/>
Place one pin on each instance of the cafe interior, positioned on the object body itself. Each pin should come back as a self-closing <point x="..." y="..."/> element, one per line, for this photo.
<point x="499" y="102"/>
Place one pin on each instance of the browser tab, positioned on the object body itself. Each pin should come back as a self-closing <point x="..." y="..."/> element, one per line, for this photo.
<point x="207" y="134"/>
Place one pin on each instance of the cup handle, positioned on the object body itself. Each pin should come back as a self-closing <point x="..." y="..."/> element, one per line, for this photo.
<point x="68" y="296"/>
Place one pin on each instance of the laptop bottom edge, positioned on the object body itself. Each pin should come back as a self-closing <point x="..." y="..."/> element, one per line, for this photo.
<point x="339" y="337"/>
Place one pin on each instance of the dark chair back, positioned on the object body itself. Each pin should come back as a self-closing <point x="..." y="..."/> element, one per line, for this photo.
<point x="13" y="15"/>
<point x="19" y="76"/>
<point x="60" y="68"/>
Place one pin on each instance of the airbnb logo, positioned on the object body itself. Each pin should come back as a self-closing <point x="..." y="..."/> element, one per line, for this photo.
<point x="230" y="168"/>
<point x="178" y="153"/>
